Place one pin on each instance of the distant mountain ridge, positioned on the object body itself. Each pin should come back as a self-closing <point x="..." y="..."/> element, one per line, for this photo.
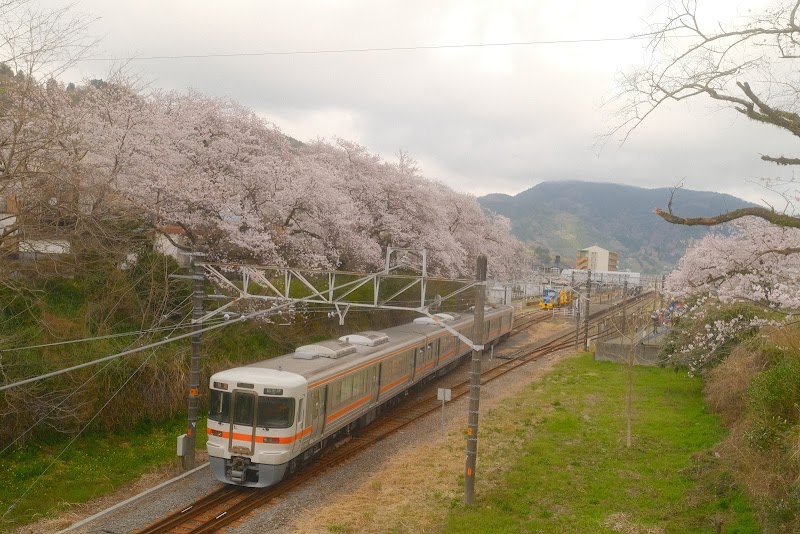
<point x="563" y="217"/>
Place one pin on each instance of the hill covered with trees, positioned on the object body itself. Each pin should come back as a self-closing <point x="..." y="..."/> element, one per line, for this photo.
<point x="559" y="218"/>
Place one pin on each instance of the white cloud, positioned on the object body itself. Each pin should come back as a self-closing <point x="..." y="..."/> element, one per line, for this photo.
<point x="496" y="119"/>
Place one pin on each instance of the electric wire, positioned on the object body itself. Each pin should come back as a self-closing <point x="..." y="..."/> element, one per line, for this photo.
<point x="95" y="416"/>
<point x="381" y="49"/>
<point x="56" y="360"/>
<point x="139" y="349"/>
<point x="76" y="390"/>
<point x="97" y="338"/>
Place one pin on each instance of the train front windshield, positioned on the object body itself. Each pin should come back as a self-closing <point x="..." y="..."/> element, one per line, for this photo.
<point x="272" y="412"/>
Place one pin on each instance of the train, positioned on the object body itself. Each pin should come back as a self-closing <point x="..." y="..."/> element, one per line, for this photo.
<point x="553" y="298"/>
<point x="269" y="418"/>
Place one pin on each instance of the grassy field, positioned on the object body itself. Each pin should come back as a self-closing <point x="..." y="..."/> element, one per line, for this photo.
<point x="41" y="480"/>
<point x="552" y="458"/>
<point x="574" y="473"/>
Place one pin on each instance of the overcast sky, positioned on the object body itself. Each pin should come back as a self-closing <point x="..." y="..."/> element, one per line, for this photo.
<point x="481" y="119"/>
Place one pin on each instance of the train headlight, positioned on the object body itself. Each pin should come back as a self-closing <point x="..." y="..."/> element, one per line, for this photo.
<point x="217" y="433"/>
<point x="265" y="439"/>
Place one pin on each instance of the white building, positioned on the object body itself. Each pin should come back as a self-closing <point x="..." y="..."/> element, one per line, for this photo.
<point x="597" y="259"/>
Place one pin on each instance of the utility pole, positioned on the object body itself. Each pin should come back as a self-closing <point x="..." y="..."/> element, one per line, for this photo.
<point x="475" y="383"/>
<point x="577" y="309"/>
<point x="624" y="309"/>
<point x="631" y="360"/>
<point x="199" y="296"/>
<point x="586" y="316"/>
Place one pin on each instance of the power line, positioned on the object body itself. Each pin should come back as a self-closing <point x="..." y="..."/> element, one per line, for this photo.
<point x="139" y="349"/>
<point x="98" y="338"/>
<point x="379" y="49"/>
<point x="60" y="454"/>
<point x="76" y="390"/>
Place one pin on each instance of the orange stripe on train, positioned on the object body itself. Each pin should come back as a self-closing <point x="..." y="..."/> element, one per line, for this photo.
<point x="258" y="439"/>
<point x="347" y="408"/>
<point x="395" y="383"/>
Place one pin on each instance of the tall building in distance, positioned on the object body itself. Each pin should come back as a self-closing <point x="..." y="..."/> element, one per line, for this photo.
<point x="597" y="259"/>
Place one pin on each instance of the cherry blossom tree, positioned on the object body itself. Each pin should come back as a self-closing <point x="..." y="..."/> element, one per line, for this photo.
<point x="757" y="262"/>
<point x="733" y="283"/>
<point x="35" y="45"/>
<point x="104" y="164"/>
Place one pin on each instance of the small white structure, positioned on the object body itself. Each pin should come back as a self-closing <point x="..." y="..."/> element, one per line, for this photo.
<point x="33" y="248"/>
<point x="500" y="294"/>
<point x="167" y="245"/>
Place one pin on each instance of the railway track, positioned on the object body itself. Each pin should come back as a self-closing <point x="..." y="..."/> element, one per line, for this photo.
<point x="228" y="504"/>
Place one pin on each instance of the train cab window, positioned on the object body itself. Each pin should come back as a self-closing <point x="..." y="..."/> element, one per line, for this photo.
<point x="219" y="406"/>
<point x="275" y="412"/>
<point x="243" y="408"/>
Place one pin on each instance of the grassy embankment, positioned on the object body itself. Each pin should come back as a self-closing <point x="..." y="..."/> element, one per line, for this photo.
<point x="552" y="458"/>
<point x="574" y="473"/>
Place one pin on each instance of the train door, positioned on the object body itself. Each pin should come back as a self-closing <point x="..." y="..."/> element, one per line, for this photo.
<point x="419" y="361"/>
<point x="300" y="423"/>
<point x="243" y="422"/>
<point x="316" y="406"/>
<point x="435" y="352"/>
<point x="373" y="378"/>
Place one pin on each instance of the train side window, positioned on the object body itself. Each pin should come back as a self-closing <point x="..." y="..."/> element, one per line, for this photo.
<point x="336" y="393"/>
<point x="347" y="389"/>
<point x="275" y="412"/>
<point x="358" y="384"/>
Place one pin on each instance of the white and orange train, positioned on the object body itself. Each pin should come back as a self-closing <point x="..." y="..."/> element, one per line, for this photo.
<point x="268" y="418"/>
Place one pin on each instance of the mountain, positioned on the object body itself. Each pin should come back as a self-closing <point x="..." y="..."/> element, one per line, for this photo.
<point x="563" y="217"/>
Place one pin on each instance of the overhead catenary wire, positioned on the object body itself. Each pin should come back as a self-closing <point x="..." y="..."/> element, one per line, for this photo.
<point x="139" y="349"/>
<point x="99" y="338"/>
<point x="75" y="391"/>
<point x="538" y="42"/>
<point x="95" y="416"/>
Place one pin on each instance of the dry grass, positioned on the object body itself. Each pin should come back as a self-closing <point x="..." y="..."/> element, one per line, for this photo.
<point x="418" y="485"/>
<point x="727" y="383"/>
<point x="620" y="522"/>
<point x="769" y="475"/>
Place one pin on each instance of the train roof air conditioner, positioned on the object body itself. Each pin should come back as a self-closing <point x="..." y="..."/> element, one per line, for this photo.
<point x="366" y="339"/>
<point x="324" y="349"/>
<point x="437" y="318"/>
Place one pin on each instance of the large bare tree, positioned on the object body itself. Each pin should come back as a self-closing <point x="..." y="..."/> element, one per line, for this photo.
<point x="36" y="45"/>
<point x="748" y="65"/>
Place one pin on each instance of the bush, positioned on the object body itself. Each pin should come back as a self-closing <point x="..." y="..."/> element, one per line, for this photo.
<point x="708" y="334"/>
<point x="774" y="398"/>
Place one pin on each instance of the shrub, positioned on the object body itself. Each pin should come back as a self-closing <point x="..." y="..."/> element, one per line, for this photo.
<point x="774" y="399"/>
<point x="708" y="334"/>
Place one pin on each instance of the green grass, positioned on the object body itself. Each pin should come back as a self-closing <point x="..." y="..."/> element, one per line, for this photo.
<point x="36" y="482"/>
<point x="574" y="473"/>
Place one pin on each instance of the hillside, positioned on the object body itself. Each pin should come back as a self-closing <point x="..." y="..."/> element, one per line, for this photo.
<point x="566" y="216"/>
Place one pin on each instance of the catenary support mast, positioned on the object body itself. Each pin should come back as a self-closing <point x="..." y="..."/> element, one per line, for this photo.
<point x="194" y="369"/>
<point x="586" y="316"/>
<point x="475" y="383"/>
